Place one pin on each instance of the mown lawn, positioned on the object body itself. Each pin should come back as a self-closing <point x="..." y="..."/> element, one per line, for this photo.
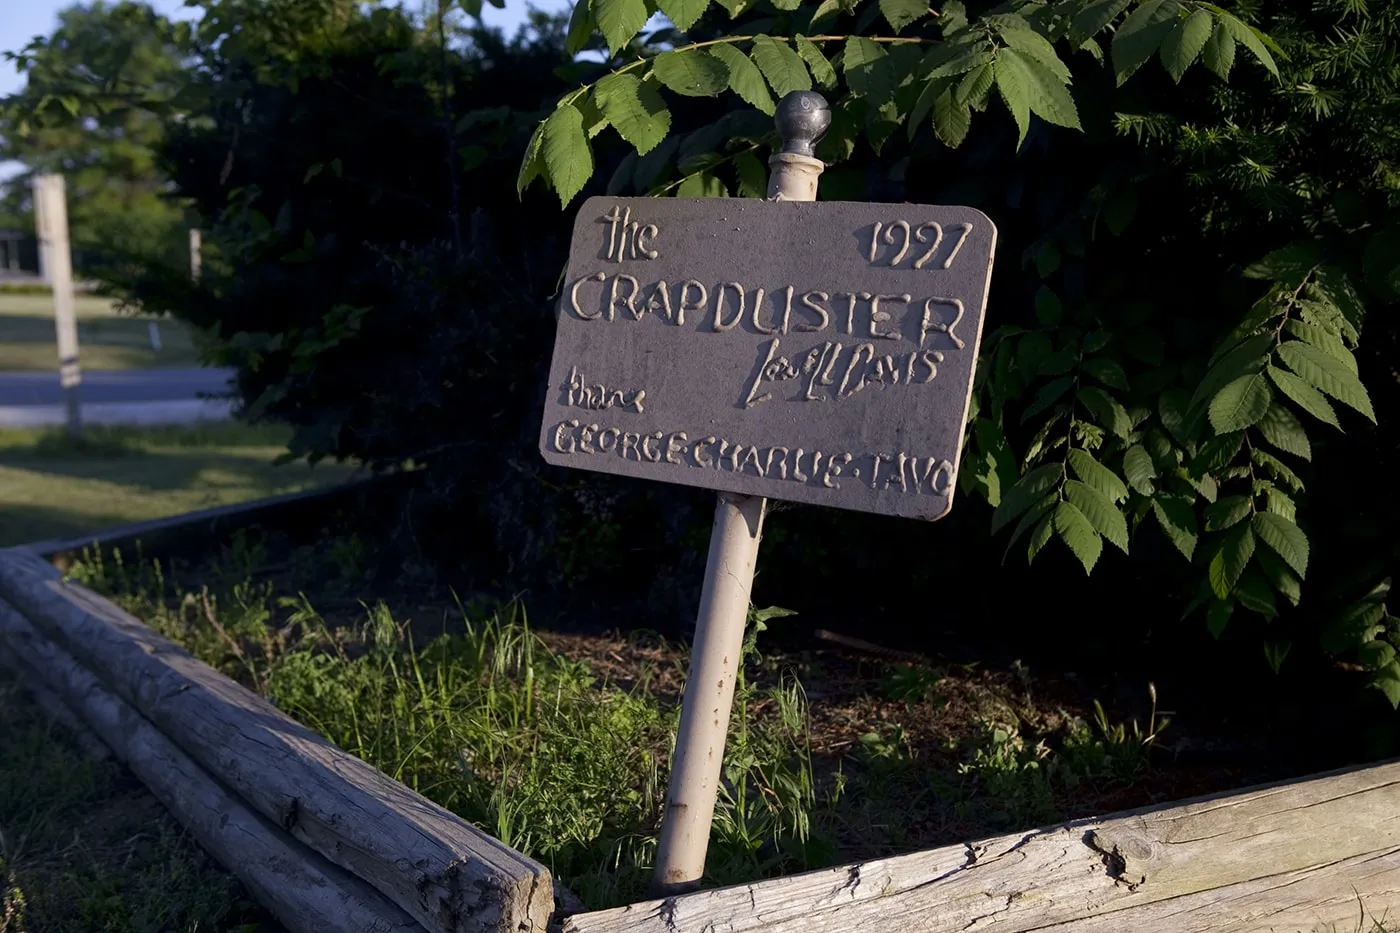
<point x="106" y="339"/>
<point x="52" y="487"/>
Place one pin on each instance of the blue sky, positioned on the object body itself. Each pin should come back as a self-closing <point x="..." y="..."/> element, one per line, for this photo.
<point x="22" y="20"/>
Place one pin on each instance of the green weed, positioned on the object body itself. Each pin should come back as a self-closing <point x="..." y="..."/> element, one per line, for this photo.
<point x="479" y="715"/>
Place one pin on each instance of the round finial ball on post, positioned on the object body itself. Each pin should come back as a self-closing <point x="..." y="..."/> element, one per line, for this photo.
<point x="802" y="119"/>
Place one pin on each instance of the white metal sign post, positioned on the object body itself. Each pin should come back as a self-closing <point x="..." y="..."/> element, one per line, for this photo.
<point x="812" y="352"/>
<point x="51" y="223"/>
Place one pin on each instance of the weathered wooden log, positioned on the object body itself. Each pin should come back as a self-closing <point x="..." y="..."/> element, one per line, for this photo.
<point x="1284" y="857"/>
<point x="442" y="871"/>
<point x="48" y="701"/>
<point x="302" y="890"/>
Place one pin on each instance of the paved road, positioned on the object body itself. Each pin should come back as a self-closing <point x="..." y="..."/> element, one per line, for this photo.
<point x="140" y="396"/>
<point x="136" y="385"/>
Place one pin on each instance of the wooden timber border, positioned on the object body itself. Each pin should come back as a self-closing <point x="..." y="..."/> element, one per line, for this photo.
<point x="326" y="841"/>
<point x="330" y="844"/>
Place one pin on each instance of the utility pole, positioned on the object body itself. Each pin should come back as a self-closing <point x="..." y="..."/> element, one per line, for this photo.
<point x="196" y="247"/>
<point x="56" y="260"/>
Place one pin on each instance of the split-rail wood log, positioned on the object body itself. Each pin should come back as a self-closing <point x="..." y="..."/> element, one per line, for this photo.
<point x="448" y="875"/>
<point x="1306" y="856"/>
<point x="303" y="890"/>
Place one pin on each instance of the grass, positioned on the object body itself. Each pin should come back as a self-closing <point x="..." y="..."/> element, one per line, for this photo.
<point x="84" y="847"/>
<point x="559" y="745"/>
<point x="52" y="487"/>
<point x="106" y="339"/>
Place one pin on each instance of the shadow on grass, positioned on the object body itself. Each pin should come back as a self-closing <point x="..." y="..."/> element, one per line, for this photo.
<point x="27" y="343"/>
<point x="28" y="524"/>
<point x="104" y="331"/>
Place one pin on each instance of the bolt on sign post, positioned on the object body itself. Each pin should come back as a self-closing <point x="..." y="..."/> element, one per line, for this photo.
<point x="814" y="352"/>
<point x="51" y="223"/>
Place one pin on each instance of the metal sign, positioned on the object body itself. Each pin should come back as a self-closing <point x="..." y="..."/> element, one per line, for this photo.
<point x="816" y="352"/>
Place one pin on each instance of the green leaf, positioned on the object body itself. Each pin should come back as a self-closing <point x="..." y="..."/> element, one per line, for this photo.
<point x="691" y="72"/>
<point x="1241" y="403"/>
<point x="867" y="69"/>
<point x="1032" y="44"/>
<point x="1229" y="562"/>
<point x="821" y="68"/>
<point x="1246" y="36"/>
<point x="1321" y="370"/>
<point x="1046" y="94"/>
<point x="581" y="26"/>
<point x="1218" y="616"/>
<point x="1094" y="17"/>
<point x="1284" y="538"/>
<point x="1097" y="475"/>
<point x="1216" y="453"/>
<point x="1281" y="427"/>
<point x="1141" y="34"/>
<point x="781" y="66"/>
<point x="1139" y="469"/>
<point x="567" y="156"/>
<point x="1185" y="42"/>
<point x="1178" y="522"/>
<point x="900" y="13"/>
<point x="1108" y="371"/>
<point x="1172" y="407"/>
<point x="974" y="85"/>
<point x="1280" y="576"/>
<point x="969" y="61"/>
<point x="1387" y="681"/>
<point x="619" y="20"/>
<point x="533" y="162"/>
<point x="1255" y="594"/>
<point x="683" y="13"/>
<point x="1106" y="409"/>
<point x="1100" y="511"/>
<point x="1047" y="396"/>
<point x="1032" y="517"/>
<point x="1041" y="536"/>
<point x="753" y="177"/>
<point x="1277" y="501"/>
<point x="701" y="185"/>
<point x="923" y="105"/>
<point x="1333" y="286"/>
<point x="1289" y="265"/>
<point x="1275" y="650"/>
<point x="1276" y="468"/>
<point x="1249" y="357"/>
<point x="744" y="77"/>
<point x="1014" y="89"/>
<point x="1076" y="531"/>
<point x="1323" y="339"/>
<point x="635" y="110"/>
<point x="1375" y="654"/>
<point x="1227" y="512"/>
<point x="1219" y="53"/>
<point x="1304" y="395"/>
<point x="1362" y="621"/>
<point x="1029" y="490"/>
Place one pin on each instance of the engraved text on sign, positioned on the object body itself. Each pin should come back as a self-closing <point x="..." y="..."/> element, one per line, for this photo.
<point x="816" y="352"/>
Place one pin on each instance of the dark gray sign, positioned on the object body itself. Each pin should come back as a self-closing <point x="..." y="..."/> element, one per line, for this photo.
<point x="817" y="352"/>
